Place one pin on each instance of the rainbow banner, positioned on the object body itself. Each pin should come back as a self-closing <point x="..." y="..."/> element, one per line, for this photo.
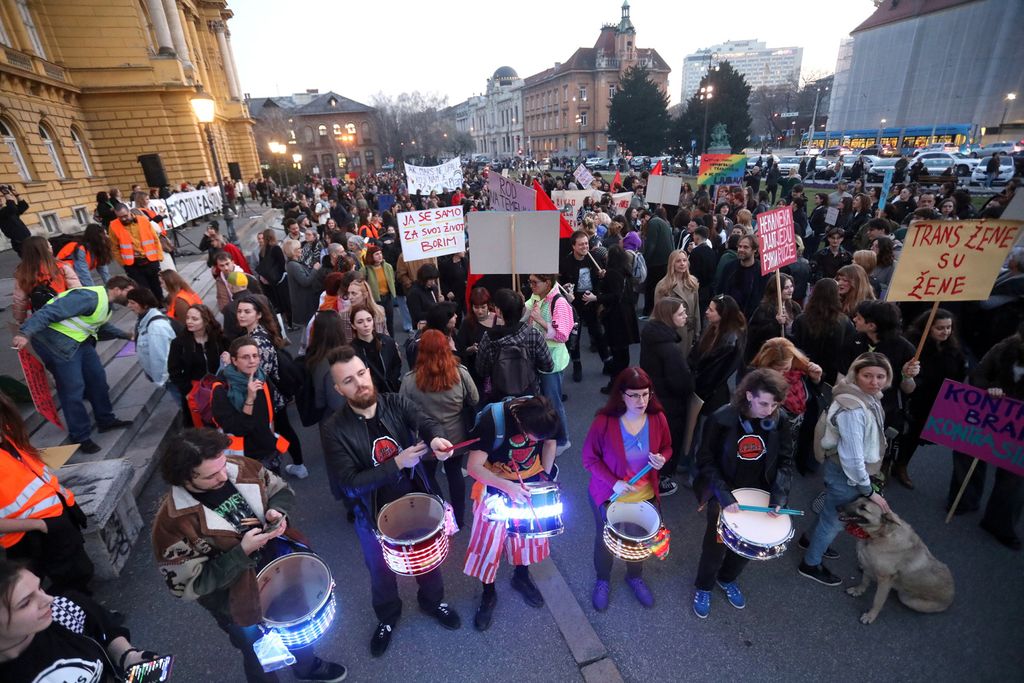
<point x="716" y="169"/>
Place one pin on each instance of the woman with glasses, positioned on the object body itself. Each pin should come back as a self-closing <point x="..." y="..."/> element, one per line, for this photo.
<point x="551" y="314"/>
<point x="628" y="433"/>
<point x="745" y="445"/>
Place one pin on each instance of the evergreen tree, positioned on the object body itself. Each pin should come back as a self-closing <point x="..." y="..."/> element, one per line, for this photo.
<point x="638" y="118"/>
<point x="729" y="104"/>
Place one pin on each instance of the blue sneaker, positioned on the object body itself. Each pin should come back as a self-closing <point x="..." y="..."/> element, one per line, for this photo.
<point x="702" y="603"/>
<point x="732" y="591"/>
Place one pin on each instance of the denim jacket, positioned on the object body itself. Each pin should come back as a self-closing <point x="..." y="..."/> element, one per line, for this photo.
<point x="78" y="302"/>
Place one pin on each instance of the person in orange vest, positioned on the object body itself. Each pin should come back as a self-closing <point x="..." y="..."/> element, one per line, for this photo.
<point x="180" y="296"/>
<point x="137" y="248"/>
<point x="89" y="252"/>
<point x="243" y="407"/>
<point x="39" y="519"/>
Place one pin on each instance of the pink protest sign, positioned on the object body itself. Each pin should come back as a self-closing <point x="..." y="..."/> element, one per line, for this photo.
<point x="968" y="420"/>
<point x="776" y="239"/>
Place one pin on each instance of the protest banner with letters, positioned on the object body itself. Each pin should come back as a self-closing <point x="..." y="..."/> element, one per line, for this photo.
<point x="508" y="195"/>
<point x="663" y="189"/>
<point x="536" y="242"/>
<point x="432" y="232"/>
<point x="583" y="176"/>
<point x="951" y="260"/>
<point x="968" y="420"/>
<point x="832" y="215"/>
<point x="35" y="378"/>
<point x="716" y="169"/>
<point x="621" y="202"/>
<point x="569" y="202"/>
<point x="776" y="238"/>
<point x="427" y="179"/>
<point x="184" y="207"/>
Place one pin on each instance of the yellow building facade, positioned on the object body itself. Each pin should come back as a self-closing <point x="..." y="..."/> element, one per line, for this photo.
<point x="89" y="86"/>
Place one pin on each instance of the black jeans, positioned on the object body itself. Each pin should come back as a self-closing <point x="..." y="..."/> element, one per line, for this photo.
<point x="383" y="583"/>
<point x="283" y="426"/>
<point x="603" y="557"/>
<point x="146" y="274"/>
<point x="716" y="560"/>
<point x="1005" y="503"/>
<point x="588" y="316"/>
<point x="456" y="483"/>
<point x="243" y="637"/>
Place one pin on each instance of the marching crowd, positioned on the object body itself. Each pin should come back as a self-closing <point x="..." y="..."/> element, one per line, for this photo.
<point x="728" y="390"/>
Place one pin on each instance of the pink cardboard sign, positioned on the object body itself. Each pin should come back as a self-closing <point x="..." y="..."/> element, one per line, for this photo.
<point x="968" y="420"/>
<point x="776" y="239"/>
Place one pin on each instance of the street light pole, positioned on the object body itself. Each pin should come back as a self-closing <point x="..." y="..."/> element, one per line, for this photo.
<point x="205" y="110"/>
<point x="881" y="126"/>
<point x="1010" y="97"/>
<point x="706" y="93"/>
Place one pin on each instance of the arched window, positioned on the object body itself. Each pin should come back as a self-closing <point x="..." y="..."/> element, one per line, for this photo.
<point x="337" y="129"/>
<point x="11" y="142"/>
<point x="321" y="130"/>
<point x="307" y="134"/>
<point x="350" y="128"/>
<point x="51" y="149"/>
<point x="76" y="140"/>
<point x="366" y="130"/>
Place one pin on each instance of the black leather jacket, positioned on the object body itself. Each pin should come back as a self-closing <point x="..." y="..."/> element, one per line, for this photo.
<point x="346" y="442"/>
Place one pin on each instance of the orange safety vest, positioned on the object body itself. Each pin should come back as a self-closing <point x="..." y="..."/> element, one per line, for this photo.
<point x="368" y="231"/>
<point x="237" y="445"/>
<point x="68" y="251"/>
<point x="190" y="298"/>
<point x="28" y="490"/>
<point x="123" y="242"/>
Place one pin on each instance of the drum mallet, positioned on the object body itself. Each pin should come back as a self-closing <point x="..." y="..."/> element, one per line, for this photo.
<point x="637" y="477"/>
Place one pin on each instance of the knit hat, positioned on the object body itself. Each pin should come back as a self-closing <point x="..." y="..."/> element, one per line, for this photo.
<point x="238" y="279"/>
<point x="631" y="241"/>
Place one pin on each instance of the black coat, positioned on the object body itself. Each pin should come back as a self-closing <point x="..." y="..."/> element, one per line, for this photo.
<point x="826" y="349"/>
<point x="618" y="310"/>
<point x="385" y="365"/>
<point x="11" y="224"/>
<point x="189" y="362"/>
<point x="420" y="300"/>
<point x="663" y="359"/>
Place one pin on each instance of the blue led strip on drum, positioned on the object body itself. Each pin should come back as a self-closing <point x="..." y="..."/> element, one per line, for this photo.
<point x="310" y="631"/>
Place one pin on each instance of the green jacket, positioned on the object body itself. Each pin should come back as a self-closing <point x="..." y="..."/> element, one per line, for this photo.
<point x="371" y="279"/>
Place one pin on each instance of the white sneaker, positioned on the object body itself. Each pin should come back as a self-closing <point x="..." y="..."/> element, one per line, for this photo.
<point x="562" y="449"/>
<point x="297" y="471"/>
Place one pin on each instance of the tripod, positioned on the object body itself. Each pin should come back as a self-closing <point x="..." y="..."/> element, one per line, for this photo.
<point x="177" y="235"/>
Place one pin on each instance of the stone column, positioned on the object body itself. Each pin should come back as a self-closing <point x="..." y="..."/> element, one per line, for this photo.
<point x="177" y="34"/>
<point x="230" y="56"/>
<point x="163" y="33"/>
<point x="229" y="70"/>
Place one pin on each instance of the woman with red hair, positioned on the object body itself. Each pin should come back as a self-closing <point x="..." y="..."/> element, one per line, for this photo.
<point x="443" y="389"/>
<point x="627" y="434"/>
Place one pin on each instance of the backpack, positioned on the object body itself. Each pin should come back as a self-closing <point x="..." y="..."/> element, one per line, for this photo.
<point x="305" y="398"/>
<point x="826" y="432"/>
<point x="41" y="295"/>
<point x="200" y="402"/>
<point x="497" y="411"/>
<point x="638" y="267"/>
<point x="513" y="373"/>
<point x="573" y="342"/>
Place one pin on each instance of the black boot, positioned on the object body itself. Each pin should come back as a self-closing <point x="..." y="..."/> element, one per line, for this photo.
<point x="485" y="612"/>
<point x="577" y="371"/>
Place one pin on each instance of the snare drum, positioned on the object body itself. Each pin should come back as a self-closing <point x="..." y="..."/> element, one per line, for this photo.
<point x="630" y="529"/>
<point x="539" y="518"/>
<point x="754" y="535"/>
<point x="296" y="598"/>
<point x="412" y="534"/>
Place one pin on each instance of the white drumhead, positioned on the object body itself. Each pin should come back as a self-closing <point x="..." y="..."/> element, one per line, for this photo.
<point x="622" y="516"/>
<point x="759" y="527"/>
<point x="411" y="519"/>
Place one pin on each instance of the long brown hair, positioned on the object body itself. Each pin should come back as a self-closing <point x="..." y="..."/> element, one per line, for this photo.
<point x="214" y="332"/>
<point x="12" y="426"/>
<point x="267" y="319"/>
<point x="37" y="264"/>
<point x="436" y="366"/>
<point x="174" y="283"/>
<point x="860" y="288"/>
<point x="824" y="310"/>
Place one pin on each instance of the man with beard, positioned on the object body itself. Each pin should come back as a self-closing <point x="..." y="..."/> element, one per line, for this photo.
<point x="373" y="446"/>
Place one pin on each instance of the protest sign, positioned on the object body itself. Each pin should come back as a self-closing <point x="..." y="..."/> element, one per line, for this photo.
<point x="569" y="202"/>
<point x="385" y="202"/>
<point x="583" y="176"/>
<point x="536" y="242"/>
<point x="621" y="202"/>
<point x="508" y="195"/>
<point x="432" y="232"/>
<point x="776" y="238"/>
<point x="663" y="189"/>
<point x="886" y="186"/>
<point x="35" y="378"/>
<point x="716" y="169"/>
<point x="427" y="179"/>
<point x="831" y="215"/>
<point x="951" y="260"/>
<point x="56" y="457"/>
<point x="968" y="420"/>
<point x="183" y="207"/>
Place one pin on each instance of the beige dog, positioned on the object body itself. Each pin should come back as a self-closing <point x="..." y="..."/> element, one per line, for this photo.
<point x="896" y="557"/>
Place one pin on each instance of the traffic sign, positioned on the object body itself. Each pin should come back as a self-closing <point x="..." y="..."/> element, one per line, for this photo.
<point x="789" y="114"/>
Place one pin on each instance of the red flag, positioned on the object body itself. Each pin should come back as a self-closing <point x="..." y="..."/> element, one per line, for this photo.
<point x="617" y="180"/>
<point x="471" y="280"/>
<point x="657" y="169"/>
<point x="544" y="203"/>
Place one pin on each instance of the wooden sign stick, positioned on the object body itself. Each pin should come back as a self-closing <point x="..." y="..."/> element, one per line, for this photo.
<point x="960" y="493"/>
<point x="778" y="289"/>
<point x="927" y="330"/>
<point x="512" y="242"/>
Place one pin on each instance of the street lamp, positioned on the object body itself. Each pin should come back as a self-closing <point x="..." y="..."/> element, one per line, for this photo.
<point x="205" y="110"/>
<point x="579" y="136"/>
<point x="297" y="160"/>
<point x="1010" y="97"/>
<point x="881" y="125"/>
<point x="706" y="93"/>
<point x="277" y="148"/>
<point x="814" y="115"/>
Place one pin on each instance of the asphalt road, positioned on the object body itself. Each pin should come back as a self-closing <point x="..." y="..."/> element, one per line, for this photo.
<point x="792" y="628"/>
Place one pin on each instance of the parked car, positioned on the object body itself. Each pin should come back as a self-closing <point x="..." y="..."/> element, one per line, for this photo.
<point x="876" y="173"/>
<point x="938" y="147"/>
<point x="639" y="162"/>
<point x="835" y="152"/>
<point x="788" y="163"/>
<point x="879" y="151"/>
<point x="807" y="151"/>
<point x="1005" y="170"/>
<point x="1003" y="147"/>
<point x="752" y="159"/>
<point x="960" y="163"/>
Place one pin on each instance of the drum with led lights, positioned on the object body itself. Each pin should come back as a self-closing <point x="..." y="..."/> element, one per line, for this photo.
<point x="755" y="535"/>
<point x="296" y="598"/>
<point x="630" y="530"/>
<point x="540" y="517"/>
<point x="412" y="534"/>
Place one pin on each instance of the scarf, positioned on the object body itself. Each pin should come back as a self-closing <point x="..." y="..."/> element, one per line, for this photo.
<point x="238" y="385"/>
<point x="796" y="398"/>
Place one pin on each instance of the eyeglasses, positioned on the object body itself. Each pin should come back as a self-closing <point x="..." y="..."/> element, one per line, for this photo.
<point x="643" y="396"/>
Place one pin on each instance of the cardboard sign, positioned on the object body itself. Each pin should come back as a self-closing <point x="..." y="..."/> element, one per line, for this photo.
<point x="385" y="201"/>
<point x="569" y="202"/>
<point x="951" y="260"/>
<point x="967" y="419"/>
<point x="621" y="202"/>
<point x="508" y="195"/>
<point x="432" y="232"/>
<point x="831" y="215"/>
<point x="536" y="242"/>
<point x="776" y="238"/>
<point x="716" y="169"/>
<point x="35" y="378"/>
<point x="583" y="176"/>
<point x="427" y="179"/>
<point x="56" y="456"/>
<point x="663" y="189"/>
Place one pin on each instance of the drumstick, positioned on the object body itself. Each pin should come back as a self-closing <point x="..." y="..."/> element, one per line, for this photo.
<point x="529" y="498"/>
<point x="783" y="511"/>
<point x="636" y="477"/>
<point x="461" y="444"/>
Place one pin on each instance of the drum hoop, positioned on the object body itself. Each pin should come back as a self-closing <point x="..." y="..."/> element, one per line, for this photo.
<point x="636" y="539"/>
<point x="723" y="521"/>
<point x="426" y="537"/>
<point x="311" y="613"/>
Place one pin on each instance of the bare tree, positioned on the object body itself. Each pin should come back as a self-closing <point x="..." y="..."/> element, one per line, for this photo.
<point x="410" y="125"/>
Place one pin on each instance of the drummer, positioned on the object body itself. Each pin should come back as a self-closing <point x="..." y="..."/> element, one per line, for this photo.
<point x="745" y="445"/>
<point x="373" y="450"/>
<point x="629" y="432"/>
<point x="209" y="541"/>
<point x="517" y="445"/>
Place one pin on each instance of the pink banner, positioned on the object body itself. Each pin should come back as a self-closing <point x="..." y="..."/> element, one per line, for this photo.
<point x="776" y="239"/>
<point x="968" y="420"/>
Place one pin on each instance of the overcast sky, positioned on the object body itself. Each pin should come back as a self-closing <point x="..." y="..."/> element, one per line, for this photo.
<point x="360" y="48"/>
